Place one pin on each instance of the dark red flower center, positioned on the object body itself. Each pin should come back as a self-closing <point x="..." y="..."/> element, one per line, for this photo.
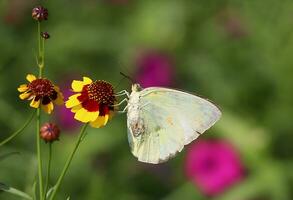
<point x="102" y="92"/>
<point x="41" y="87"/>
<point x="98" y="96"/>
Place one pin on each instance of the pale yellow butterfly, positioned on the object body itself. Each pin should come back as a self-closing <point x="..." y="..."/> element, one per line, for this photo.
<point x="161" y="121"/>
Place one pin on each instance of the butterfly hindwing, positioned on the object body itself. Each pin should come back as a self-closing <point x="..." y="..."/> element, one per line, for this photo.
<point x="171" y="119"/>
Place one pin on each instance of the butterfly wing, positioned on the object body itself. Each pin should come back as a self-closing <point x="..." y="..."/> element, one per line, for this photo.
<point x="170" y="119"/>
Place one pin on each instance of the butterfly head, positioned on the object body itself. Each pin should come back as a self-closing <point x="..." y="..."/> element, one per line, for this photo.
<point x="136" y="87"/>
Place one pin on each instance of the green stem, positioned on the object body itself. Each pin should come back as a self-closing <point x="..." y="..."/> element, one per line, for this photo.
<point x="48" y="170"/>
<point x="68" y="162"/>
<point x="41" y="51"/>
<point x="39" y="154"/>
<point x="39" y="38"/>
<point x="40" y="72"/>
<point x="39" y="44"/>
<point x="19" y="130"/>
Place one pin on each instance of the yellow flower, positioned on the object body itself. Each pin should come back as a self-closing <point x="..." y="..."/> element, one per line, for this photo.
<point x="93" y="101"/>
<point x="41" y="92"/>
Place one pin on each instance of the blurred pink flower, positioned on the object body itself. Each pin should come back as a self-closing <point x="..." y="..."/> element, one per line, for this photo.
<point x="213" y="165"/>
<point x="64" y="116"/>
<point x="154" y="69"/>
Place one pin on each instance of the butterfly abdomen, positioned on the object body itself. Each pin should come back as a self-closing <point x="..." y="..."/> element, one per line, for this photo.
<point x="137" y="128"/>
<point x="133" y="114"/>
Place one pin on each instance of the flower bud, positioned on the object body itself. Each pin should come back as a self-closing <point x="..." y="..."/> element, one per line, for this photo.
<point x="45" y="35"/>
<point x="49" y="132"/>
<point x="40" y="13"/>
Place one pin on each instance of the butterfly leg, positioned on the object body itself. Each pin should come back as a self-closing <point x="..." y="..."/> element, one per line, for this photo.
<point x="121" y="102"/>
<point x="122" y="93"/>
<point x="124" y="110"/>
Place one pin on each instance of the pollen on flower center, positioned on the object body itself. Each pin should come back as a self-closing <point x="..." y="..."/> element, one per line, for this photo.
<point x="102" y="92"/>
<point x="41" y="87"/>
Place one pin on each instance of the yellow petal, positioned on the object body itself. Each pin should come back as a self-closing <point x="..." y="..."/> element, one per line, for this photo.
<point x="48" y="108"/>
<point x="72" y="101"/>
<point x="87" y="80"/>
<point x="76" y="108"/>
<point x="35" y="104"/>
<point x="30" y="77"/>
<point x="99" y="122"/>
<point x="22" y="88"/>
<point x="106" y="119"/>
<point x="85" y="116"/>
<point x="52" y="106"/>
<point x="77" y="86"/>
<point x="24" y="95"/>
<point x="60" y="98"/>
<point x="74" y="96"/>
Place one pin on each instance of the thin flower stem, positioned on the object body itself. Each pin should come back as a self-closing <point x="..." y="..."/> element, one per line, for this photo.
<point x="40" y="72"/>
<point x="19" y="130"/>
<point x="48" y="170"/>
<point x="39" y="153"/>
<point x="38" y="139"/>
<point x="39" y="45"/>
<point x="42" y="57"/>
<point x="68" y="162"/>
<point x="41" y="51"/>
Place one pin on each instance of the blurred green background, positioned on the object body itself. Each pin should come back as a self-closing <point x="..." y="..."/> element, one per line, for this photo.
<point x="236" y="53"/>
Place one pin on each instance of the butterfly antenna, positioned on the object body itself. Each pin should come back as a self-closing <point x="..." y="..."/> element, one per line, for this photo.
<point x="119" y="83"/>
<point x="120" y="63"/>
<point x="124" y="77"/>
<point x="128" y="77"/>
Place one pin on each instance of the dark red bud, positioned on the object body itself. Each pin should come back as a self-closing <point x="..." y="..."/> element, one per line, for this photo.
<point x="49" y="132"/>
<point x="40" y="13"/>
<point x="45" y="35"/>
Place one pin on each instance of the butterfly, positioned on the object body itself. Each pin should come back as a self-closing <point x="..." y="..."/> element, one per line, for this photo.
<point x="161" y="121"/>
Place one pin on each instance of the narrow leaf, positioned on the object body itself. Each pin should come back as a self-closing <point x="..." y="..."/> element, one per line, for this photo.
<point x="49" y="192"/>
<point x="14" y="191"/>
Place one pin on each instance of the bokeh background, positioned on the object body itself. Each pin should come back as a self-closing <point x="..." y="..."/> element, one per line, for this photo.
<point x="236" y="53"/>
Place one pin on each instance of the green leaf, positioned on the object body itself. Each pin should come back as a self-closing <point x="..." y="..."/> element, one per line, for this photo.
<point x="14" y="191"/>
